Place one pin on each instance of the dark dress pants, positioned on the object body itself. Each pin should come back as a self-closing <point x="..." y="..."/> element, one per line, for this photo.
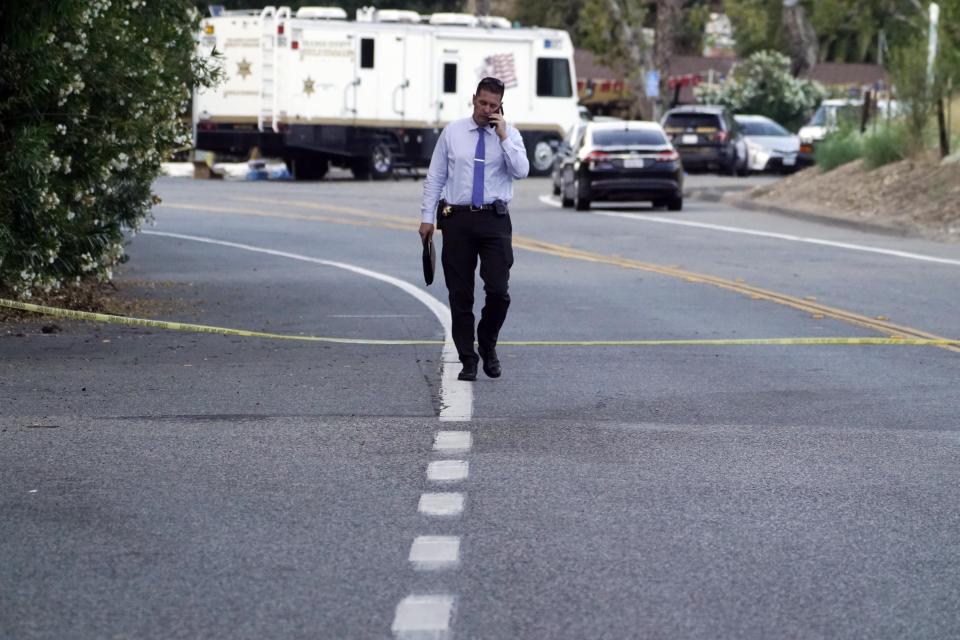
<point x="467" y="237"/>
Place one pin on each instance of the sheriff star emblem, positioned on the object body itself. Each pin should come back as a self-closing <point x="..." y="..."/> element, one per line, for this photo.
<point x="308" y="86"/>
<point x="243" y="68"/>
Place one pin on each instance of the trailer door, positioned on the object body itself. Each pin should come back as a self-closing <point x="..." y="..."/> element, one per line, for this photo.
<point x="392" y="69"/>
<point x="366" y="78"/>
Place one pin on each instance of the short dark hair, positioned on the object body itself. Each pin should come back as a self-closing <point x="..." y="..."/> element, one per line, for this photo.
<point x="491" y="85"/>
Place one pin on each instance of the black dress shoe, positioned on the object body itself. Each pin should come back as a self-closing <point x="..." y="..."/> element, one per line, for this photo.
<point x="469" y="372"/>
<point x="491" y="363"/>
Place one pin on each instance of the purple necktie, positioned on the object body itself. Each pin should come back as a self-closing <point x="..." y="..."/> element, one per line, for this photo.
<point x="478" y="161"/>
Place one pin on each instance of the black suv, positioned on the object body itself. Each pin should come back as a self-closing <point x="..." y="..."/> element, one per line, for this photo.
<point x="706" y="137"/>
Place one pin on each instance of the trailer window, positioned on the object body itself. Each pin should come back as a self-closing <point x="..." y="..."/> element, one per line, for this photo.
<point x="449" y="77"/>
<point x="553" y="78"/>
<point x="366" y="53"/>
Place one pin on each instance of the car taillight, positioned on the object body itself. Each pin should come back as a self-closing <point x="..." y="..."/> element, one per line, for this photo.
<point x="206" y="126"/>
<point x="279" y="29"/>
<point x="594" y="156"/>
<point x="668" y="156"/>
<point x="720" y="136"/>
<point x="294" y="45"/>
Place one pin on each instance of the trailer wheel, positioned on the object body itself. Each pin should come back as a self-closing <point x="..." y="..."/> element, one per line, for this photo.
<point x="307" y="167"/>
<point x="378" y="165"/>
<point x="542" y="154"/>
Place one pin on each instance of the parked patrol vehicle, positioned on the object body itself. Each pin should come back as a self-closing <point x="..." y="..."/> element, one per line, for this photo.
<point x="373" y="94"/>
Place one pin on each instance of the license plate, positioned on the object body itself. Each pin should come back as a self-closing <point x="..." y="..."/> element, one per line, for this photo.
<point x="789" y="161"/>
<point x="634" y="163"/>
<point x="690" y="138"/>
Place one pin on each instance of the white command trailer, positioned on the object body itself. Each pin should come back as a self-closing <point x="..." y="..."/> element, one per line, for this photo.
<point x="373" y="94"/>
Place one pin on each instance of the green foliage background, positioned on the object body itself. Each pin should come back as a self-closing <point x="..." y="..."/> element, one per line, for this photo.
<point x="94" y="92"/>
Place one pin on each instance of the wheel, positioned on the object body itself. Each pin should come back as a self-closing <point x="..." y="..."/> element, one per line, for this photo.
<point x="675" y="203"/>
<point x="381" y="162"/>
<point x="541" y="155"/>
<point x="733" y="167"/>
<point x="581" y="195"/>
<point x="307" y="167"/>
<point x="565" y="201"/>
<point x="378" y="165"/>
<point x="556" y="189"/>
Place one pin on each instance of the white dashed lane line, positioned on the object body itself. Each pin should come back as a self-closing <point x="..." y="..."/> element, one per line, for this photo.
<point x="448" y="470"/>
<point x="452" y="441"/>
<point x="441" y="504"/>
<point x="433" y="553"/>
<point x="420" y="617"/>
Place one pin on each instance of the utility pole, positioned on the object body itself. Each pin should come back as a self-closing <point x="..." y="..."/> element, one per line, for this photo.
<point x="668" y="17"/>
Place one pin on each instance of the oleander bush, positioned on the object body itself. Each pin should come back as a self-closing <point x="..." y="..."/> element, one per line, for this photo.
<point x="92" y="102"/>
<point x="763" y="85"/>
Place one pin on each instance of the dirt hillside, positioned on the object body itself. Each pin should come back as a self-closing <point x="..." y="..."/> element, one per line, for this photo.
<point x="920" y="196"/>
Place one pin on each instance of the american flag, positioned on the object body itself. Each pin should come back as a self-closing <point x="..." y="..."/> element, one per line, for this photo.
<point x="501" y="66"/>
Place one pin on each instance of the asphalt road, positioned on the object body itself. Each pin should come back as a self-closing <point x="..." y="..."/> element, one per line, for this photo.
<point x="160" y="484"/>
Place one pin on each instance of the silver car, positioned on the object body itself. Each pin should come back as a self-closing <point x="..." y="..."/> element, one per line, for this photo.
<point x="770" y="147"/>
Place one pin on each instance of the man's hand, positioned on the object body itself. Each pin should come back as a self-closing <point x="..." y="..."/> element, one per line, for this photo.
<point x="501" y="125"/>
<point x="426" y="231"/>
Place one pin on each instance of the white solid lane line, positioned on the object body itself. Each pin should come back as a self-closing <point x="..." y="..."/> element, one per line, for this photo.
<point x="452" y="441"/>
<point x="441" y="504"/>
<point x="767" y="234"/>
<point x="456" y="396"/>
<point x="422" y="617"/>
<point x="432" y="553"/>
<point x="448" y="470"/>
<point x="548" y="200"/>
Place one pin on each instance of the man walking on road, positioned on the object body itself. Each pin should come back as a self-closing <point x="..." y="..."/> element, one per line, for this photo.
<point x="473" y="167"/>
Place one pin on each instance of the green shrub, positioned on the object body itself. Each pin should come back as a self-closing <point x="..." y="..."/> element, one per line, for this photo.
<point x="99" y="86"/>
<point x="838" y="148"/>
<point x="887" y="143"/>
<point x="763" y="85"/>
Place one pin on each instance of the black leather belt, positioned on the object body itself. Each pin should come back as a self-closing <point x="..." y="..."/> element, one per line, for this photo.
<point x="466" y="208"/>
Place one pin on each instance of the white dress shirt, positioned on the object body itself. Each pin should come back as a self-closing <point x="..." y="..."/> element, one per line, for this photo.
<point x="451" y="167"/>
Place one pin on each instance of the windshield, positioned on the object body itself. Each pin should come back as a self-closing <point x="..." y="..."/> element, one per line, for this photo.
<point x="628" y="138"/>
<point x="832" y="115"/>
<point x="762" y="128"/>
<point x="693" y="121"/>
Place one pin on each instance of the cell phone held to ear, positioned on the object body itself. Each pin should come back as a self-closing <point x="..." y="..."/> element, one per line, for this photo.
<point x="493" y="125"/>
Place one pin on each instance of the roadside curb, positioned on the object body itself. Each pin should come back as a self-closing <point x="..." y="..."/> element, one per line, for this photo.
<point x="736" y="198"/>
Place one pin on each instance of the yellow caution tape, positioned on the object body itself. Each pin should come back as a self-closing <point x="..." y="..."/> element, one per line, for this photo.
<point x="200" y="328"/>
<point x="195" y="328"/>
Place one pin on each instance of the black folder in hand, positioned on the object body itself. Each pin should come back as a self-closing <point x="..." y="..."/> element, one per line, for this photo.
<point x="429" y="261"/>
